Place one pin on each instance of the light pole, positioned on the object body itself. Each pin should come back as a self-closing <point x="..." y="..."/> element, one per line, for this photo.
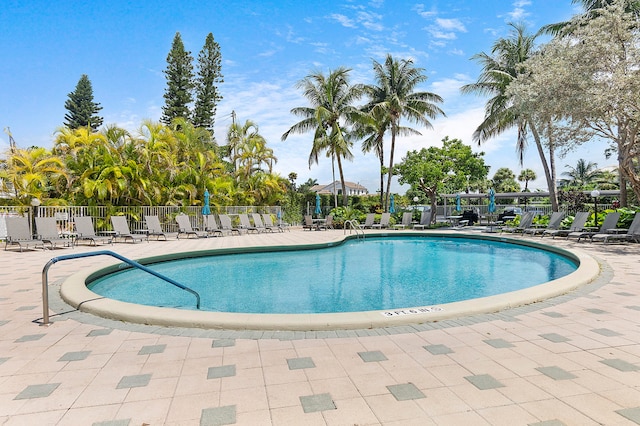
<point x="595" y="194"/>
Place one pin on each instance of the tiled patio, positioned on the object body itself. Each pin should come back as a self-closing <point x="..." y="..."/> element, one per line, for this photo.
<point x="573" y="360"/>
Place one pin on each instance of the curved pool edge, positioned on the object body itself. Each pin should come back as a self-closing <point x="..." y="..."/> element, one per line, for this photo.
<point x="74" y="292"/>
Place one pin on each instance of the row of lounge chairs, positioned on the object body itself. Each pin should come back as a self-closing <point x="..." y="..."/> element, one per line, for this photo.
<point x="607" y="231"/>
<point x="48" y="236"/>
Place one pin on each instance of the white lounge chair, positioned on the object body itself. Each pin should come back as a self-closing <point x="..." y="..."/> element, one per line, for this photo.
<point x="425" y="216"/>
<point x="18" y="233"/>
<point x="525" y="222"/>
<point x="245" y="224"/>
<point x="47" y="228"/>
<point x="121" y="228"/>
<point x="384" y="221"/>
<point x="257" y="222"/>
<point x="211" y="226"/>
<point x="86" y="232"/>
<point x="154" y="229"/>
<point x="184" y="227"/>
<point x="368" y="220"/>
<point x="308" y="223"/>
<point x="407" y="217"/>
<point x="225" y="225"/>
<point x="268" y="223"/>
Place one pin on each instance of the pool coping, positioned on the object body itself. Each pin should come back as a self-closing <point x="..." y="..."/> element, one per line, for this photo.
<point x="74" y="292"/>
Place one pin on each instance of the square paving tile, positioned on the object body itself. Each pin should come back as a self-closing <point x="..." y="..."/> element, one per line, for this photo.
<point x="556" y="373"/>
<point x="372" y="356"/>
<point x="606" y="332"/>
<point x="620" y="364"/>
<point x="137" y="381"/>
<point x="218" y="416"/>
<point x="122" y="422"/>
<point x="554" y="337"/>
<point x="632" y="414"/>
<point x="222" y="371"/>
<point x="37" y="391"/>
<point x="484" y="382"/>
<point x="99" y="332"/>
<point x="223" y="343"/>
<point x="405" y="392"/>
<point x="30" y="338"/>
<point x="153" y="349"/>
<point x="438" y="349"/>
<point x="75" y="356"/>
<point x="553" y="314"/>
<point x="300" y="363"/>
<point x="498" y="343"/>
<point x="26" y="308"/>
<point x="320" y="402"/>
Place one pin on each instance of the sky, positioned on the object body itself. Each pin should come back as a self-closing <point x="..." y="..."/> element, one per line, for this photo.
<point x="267" y="47"/>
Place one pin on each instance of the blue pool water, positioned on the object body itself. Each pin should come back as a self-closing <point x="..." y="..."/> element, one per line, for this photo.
<point x="376" y="274"/>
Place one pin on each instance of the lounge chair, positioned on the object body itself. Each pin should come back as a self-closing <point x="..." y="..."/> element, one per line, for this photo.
<point x="525" y="222"/>
<point x="47" y="228"/>
<point x="121" y="228"/>
<point x="18" y="233"/>
<point x="257" y="222"/>
<point x="245" y="224"/>
<point x="86" y="232"/>
<point x="308" y="223"/>
<point x="211" y="226"/>
<point x="154" y="229"/>
<point x="368" y="221"/>
<point x="554" y="223"/>
<point x="610" y="222"/>
<point x="424" y="220"/>
<point x="268" y="223"/>
<point x="407" y="217"/>
<point x="633" y="233"/>
<point x="225" y="225"/>
<point x="184" y="227"/>
<point x="384" y="221"/>
<point x="577" y="225"/>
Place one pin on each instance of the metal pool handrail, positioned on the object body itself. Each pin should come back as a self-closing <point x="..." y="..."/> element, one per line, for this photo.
<point x="45" y="278"/>
<point x="355" y="225"/>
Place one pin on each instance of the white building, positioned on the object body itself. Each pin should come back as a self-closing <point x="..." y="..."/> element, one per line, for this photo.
<point x="336" y="188"/>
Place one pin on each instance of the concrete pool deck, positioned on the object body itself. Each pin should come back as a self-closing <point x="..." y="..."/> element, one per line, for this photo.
<point x="573" y="360"/>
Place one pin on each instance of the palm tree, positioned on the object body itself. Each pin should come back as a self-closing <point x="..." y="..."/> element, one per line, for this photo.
<point x="525" y="176"/>
<point x="583" y="175"/>
<point x="499" y="69"/>
<point x="591" y="11"/>
<point x="393" y="97"/>
<point x="331" y="111"/>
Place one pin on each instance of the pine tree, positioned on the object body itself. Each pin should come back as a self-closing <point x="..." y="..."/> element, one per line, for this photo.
<point x="179" y="73"/>
<point x="82" y="109"/>
<point x="207" y="95"/>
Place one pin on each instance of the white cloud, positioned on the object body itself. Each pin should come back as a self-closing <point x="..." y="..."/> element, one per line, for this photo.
<point x="343" y="20"/>
<point x="451" y="24"/>
<point x="420" y="10"/>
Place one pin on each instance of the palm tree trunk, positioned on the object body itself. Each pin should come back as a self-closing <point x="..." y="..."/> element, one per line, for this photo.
<point x="333" y="175"/>
<point x="344" y="187"/>
<point x="381" y="181"/>
<point x="549" y="176"/>
<point x="393" y="147"/>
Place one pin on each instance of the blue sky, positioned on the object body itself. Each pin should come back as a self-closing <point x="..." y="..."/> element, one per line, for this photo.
<point x="267" y="46"/>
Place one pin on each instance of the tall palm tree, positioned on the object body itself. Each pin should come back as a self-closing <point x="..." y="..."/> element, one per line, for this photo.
<point x="393" y="97"/>
<point x="526" y="176"/>
<point x="583" y="175"/>
<point x="499" y="69"/>
<point x="331" y="112"/>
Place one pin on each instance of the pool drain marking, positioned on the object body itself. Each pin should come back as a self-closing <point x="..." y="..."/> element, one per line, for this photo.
<point x="412" y="311"/>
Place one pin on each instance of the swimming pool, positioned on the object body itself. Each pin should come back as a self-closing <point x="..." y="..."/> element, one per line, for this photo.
<point x="383" y="273"/>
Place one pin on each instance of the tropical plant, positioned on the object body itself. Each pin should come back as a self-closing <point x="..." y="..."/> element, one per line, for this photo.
<point x="393" y="97"/>
<point x="526" y="176"/>
<point x="582" y="176"/>
<point x="331" y="111"/>
<point x="82" y="110"/>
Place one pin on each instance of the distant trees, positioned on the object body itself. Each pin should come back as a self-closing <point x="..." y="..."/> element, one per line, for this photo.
<point x="82" y="110"/>
<point x="179" y="74"/>
<point x="526" y="176"/>
<point x="183" y="85"/>
<point x="208" y="76"/>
